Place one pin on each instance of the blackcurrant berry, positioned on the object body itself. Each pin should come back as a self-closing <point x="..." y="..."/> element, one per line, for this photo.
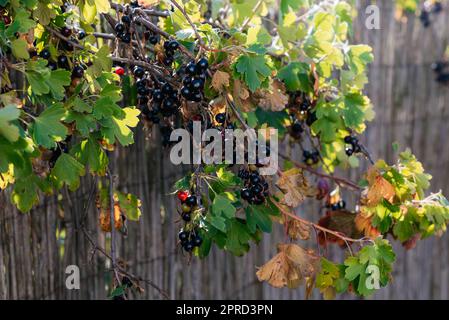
<point x="173" y="45"/>
<point x="52" y="65"/>
<point x="349" y="151"/>
<point x="188" y="246"/>
<point x="246" y="194"/>
<point x="138" y="71"/>
<point x="191" y="200"/>
<point x="341" y="204"/>
<point x="119" y="27"/>
<point x="78" y="72"/>
<point x="335" y="207"/>
<point x="254" y="178"/>
<point x="256" y="189"/>
<point x="81" y="34"/>
<point x="202" y="65"/>
<point x="45" y="54"/>
<point x="62" y="61"/>
<point x="197" y="241"/>
<point x="196" y="97"/>
<point x="186" y="217"/>
<point x="157" y="95"/>
<point x="220" y="117"/>
<point x="126" y="19"/>
<point x="168" y="60"/>
<point x="297" y="127"/>
<point x="183" y="236"/>
<point x="126" y="37"/>
<point x="166" y="88"/>
<point x="185" y="92"/>
<point x="66" y="32"/>
<point x="197" y="84"/>
<point x="153" y="39"/>
<point x="190" y="69"/>
<point x="168" y="103"/>
<point x="141" y="83"/>
<point x="258" y="200"/>
<point x="143" y="91"/>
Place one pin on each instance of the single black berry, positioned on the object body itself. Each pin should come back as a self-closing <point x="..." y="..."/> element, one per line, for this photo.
<point x="202" y="65"/>
<point x="153" y="39"/>
<point x="78" y="72"/>
<point x="126" y="19"/>
<point x="191" y="200"/>
<point x="138" y="71"/>
<point x="119" y="27"/>
<point x="45" y="54"/>
<point x="220" y="117"/>
<point x="173" y="45"/>
<point x="81" y="34"/>
<point x="186" y="217"/>
<point x="190" y="69"/>
<point x="66" y="32"/>
<point x="183" y="236"/>
<point x="246" y="194"/>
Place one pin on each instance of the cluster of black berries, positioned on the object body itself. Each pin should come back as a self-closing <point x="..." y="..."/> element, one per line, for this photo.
<point x="301" y="113"/>
<point x="440" y="69"/>
<point x="122" y="29"/>
<point x="428" y="10"/>
<point x="190" y="240"/>
<point x="354" y="145"/>
<point x="339" y="205"/>
<point x="62" y="62"/>
<point x="170" y="48"/>
<point x="188" y="203"/>
<point x="194" y="78"/>
<point x="256" y="188"/>
<point x="311" y="157"/>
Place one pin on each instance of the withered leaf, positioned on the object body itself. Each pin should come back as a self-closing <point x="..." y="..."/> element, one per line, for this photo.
<point x="220" y="80"/>
<point x="298" y="230"/>
<point x="274" y="98"/>
<point x="363" y="224"/>
<point x="379" y="189"/>
<point x="295" y="187"/>
<point x="290" y="267"/>
<point x="342" y="221"/>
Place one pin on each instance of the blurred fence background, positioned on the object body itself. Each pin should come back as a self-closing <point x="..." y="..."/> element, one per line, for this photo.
<point x="412" y="109"/>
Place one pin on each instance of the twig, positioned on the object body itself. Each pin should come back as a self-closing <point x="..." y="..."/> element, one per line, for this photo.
<point x="248" y="19"/>
<point x="317" y="226"/>
<point x="150" y="12"/>
<point x="343" y="181"/>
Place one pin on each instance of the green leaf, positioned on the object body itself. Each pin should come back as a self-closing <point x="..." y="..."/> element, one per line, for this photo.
<point x="255" y="217"/>
<point x="47" y="129"/>
<point x="84" y="123"/>
<point x="7" y="115"/>
<point x="89" y="152"/>
<point x="25" y="193"/>
<point x="296" y="76"/>
<point x="19" y="49"/>
<point x="81" y="106"/>
<point x="237" y="238"/>
<point x="222" y="206"/>
<point x="67" y="170"/>
<point x="105" y="107"/>
<point x="118" y="129"/>
<point x="254" y="70"/>
<point x="130" y="205"/>
<point x="217" y="222"/>
<point x="59" y="78"/>
<point x="44" y="13"/>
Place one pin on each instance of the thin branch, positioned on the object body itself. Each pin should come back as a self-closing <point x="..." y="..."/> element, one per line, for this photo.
<point x="253" y="12"/>
<point x="195" y="30"/>
<point x="150" y="12"/>
<point x="112" y="222"/>
<point x="317" y="226"/>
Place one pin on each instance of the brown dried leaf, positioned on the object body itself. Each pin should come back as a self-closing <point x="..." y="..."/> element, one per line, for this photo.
<point x="241" y="96"/>
<point x="290" y="267"/>
<point x="298" y="230"/>
<point x="105" y="219"/>
<point x="379" y="189"/>
<point x="275" y="98"/>
<point x="220" y="80"/>
<point x="342" y="221"/>
<point x="295" y="187"/>
<point x="363" y="224"/>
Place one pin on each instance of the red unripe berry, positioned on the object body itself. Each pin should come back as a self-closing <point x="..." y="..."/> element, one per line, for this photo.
<point x="120" y="71"/>
<point x="182" y="195"/>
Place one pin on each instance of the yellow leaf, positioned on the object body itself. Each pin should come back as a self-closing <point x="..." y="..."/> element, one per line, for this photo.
<point x="220" y="80"/>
